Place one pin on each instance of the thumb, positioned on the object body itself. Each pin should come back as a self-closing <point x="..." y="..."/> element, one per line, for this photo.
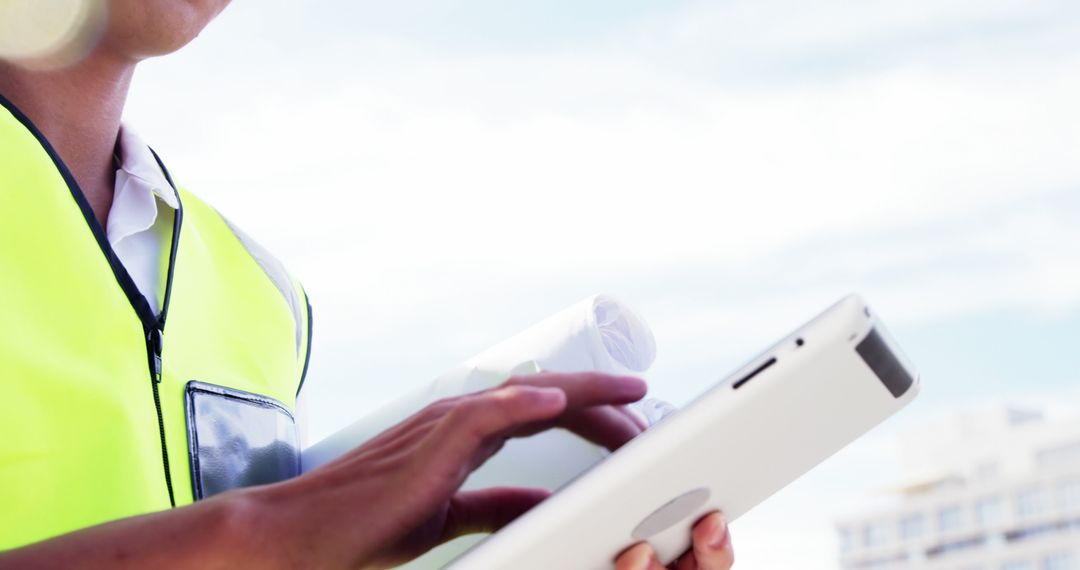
<point x="488" y="510"/>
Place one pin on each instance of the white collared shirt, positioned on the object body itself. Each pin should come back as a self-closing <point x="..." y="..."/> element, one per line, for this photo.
<point x="140" y="222"/>
<point x="140" y="228"/>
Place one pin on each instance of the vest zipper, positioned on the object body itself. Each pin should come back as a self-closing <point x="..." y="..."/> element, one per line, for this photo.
<point x="155" y="338"/>
<point x="154" y="342"/>
<point x="153" y="328"/>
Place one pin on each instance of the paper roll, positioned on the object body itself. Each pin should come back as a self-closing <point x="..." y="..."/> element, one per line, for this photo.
<point x="598" y="334"/>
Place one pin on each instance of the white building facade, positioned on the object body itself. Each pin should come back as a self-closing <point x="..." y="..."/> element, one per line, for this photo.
<point x="991" y="490"/>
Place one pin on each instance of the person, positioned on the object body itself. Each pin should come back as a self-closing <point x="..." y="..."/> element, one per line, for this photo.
<point x="130" y="444"/>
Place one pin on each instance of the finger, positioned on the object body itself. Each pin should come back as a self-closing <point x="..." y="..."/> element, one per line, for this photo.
<point x="585" y="389"/>
<point x="686" y="562"/>
<point x="712" y="544"/>
<point x="478" y="424"/>
<point x="602" y="425"/>
<point x="488" y="510"/>
<point x="497" y="412"/>
<point x="638" y="557"/>
<point x="634" y="417"/>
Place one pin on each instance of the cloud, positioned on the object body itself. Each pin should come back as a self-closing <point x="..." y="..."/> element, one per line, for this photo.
<point x="734" y="175"/>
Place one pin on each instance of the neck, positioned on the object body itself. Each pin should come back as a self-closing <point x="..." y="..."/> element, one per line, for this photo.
<point x="78" y="109"/>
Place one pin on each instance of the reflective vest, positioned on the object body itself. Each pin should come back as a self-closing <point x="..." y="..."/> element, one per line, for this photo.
<point x="104" y="406"/>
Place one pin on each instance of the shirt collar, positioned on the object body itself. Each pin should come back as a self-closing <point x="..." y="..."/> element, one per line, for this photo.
<point x="138" y="162"/>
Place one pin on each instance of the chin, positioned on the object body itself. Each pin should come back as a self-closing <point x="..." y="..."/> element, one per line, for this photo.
<point x="147" y="28"/>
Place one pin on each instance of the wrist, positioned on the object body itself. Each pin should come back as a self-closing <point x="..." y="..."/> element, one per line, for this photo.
<point x="292" y="524"/>
<point x="246" y="530"/>
<point x="309" y="522"/>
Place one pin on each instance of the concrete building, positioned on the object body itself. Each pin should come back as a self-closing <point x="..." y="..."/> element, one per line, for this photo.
<point x="992" y="489"/>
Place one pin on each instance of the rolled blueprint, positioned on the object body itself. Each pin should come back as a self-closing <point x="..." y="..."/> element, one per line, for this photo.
<point x="598" y="334"/>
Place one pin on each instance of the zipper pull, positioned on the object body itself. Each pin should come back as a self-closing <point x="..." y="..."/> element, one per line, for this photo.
<point x="156" y="340"/>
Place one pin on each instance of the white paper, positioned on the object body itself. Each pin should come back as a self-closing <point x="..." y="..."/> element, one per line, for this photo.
<point x="598" y="334"/>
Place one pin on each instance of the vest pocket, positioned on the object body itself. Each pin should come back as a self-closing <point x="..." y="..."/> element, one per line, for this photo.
<point x="238" y="439"/>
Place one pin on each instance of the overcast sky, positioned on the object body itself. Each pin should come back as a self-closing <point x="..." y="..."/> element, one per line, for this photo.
<point x="443" y="174"/>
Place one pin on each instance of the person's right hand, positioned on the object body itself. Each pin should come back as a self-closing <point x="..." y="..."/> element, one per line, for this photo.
<point x="397" y="496"/>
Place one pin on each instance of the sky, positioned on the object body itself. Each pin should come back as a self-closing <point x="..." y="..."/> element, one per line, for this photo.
<point x="441" y="175"/>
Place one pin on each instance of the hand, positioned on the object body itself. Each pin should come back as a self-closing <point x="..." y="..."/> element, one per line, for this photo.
<point x="711" y="551"/>
<point x="397" y="496"/>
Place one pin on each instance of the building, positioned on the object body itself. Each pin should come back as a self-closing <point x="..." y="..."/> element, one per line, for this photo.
<point x="987" y="490"/>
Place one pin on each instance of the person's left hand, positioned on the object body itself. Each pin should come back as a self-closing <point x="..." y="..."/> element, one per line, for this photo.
<point x="711" y="551"/>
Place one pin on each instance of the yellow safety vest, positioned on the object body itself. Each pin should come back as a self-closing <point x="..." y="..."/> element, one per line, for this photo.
<point x="106" y="410"/>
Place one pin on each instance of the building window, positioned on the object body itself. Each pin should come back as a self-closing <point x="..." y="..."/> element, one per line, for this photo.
<point x="986" y="470"/>
<point x="988" y="511"/>
<point x="911" y="526"/>
<point x="1070" y="494"/>
<point x="1031" y="502"/>
<point x="847" y="540"/>
<point x="875" y="535"/>
<point x="950" y="519"/>
<point x="1061" y="456"/>
<point x="1060" y="561"/>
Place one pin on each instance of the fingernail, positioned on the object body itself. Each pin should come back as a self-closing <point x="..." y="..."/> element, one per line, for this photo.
<point x="718" y="534"/>
<point x="550" y="396"/>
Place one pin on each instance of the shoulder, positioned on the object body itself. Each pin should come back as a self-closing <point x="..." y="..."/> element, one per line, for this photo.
<point x="290" y="288"/>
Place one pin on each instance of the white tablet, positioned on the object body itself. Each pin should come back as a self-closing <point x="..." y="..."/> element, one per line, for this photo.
<point x="731" y="448"/>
